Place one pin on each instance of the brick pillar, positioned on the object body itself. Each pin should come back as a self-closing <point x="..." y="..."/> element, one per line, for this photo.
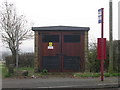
<point x="86" y="51"/>
<point x="36" y="63"/>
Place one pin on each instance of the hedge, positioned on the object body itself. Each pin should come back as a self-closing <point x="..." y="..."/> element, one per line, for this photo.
<point x="25" y="60"/>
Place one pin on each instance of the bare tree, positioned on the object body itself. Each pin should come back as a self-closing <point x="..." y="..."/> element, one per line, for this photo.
<point x="13" y="26"/>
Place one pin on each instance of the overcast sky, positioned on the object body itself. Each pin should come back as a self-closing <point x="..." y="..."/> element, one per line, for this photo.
<point x="82" y="13"/>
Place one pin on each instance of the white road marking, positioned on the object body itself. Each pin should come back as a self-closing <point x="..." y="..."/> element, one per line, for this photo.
<point x="59" y="86"/>
<point x="109" y="84"/>
<point x="55" y="87"/>
<point x="102" y="84"/>
<point x="42" y="87"/>
<point x="76" y="86"/>
<point x="64" y="86"/>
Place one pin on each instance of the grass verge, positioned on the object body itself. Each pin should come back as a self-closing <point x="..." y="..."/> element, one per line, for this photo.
<point x="45" y="73"/>
<point x="96" y="74"/>
<point x="4" y="71"/>
<point x="86" y="74"/>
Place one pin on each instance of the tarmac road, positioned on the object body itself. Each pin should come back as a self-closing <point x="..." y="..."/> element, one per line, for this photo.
<point x="60" y="83"/>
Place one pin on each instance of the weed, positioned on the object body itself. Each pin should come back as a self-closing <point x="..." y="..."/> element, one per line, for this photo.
<point x="107" y="74"/>
<point x="96" y="75"/>
<point x="45" y="71"/>
<point x="7" y="75"/>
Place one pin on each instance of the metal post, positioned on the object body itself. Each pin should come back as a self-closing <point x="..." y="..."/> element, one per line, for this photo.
<point x="102" y="70"/>
<point x="102" y="23"/>
<point x="102" y="34"/>
<point x="119" y="20"/>
<point x="110" y="39"/>
<point x="17" y="46"/>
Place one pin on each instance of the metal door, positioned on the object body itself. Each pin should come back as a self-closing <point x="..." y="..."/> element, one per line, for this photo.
<point x="71" y="48"/>
<point x="61" y="51"/>
<point x="51" y="48"/>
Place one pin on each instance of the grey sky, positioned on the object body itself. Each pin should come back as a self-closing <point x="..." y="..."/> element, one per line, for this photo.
<point x="82" y="13"/>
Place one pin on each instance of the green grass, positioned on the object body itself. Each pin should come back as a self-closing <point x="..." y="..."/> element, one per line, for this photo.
<point x="96" y="74"/>
<point x="4" y="73"/>
<point x="111" y="74"/>
<point x="0" y="69"/>
<point x="29" y="69"/>
<point x="86" y="75"/>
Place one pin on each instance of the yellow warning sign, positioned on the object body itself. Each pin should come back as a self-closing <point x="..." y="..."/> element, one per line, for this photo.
<point x="50" y="44"/>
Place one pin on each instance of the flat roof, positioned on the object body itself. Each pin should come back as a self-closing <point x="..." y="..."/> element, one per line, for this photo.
<point x="60" y="28"/>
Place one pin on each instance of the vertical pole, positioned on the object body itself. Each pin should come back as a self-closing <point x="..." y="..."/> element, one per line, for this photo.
<point x="102" y="34"/>
<point x="102" y="70"/>
<point x="110" y="39"/>
<point x="119" y="41"/>
<point x="16" y="47"/>
<point x="119" y="20"/>
<point x="102" y="22"/>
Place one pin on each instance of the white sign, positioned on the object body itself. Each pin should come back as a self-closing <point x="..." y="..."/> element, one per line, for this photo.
<point x="50" y="47"/>
<point x="100" y="16"/>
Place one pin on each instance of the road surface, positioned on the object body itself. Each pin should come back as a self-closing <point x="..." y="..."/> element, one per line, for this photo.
<point x="60" y="83"/>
